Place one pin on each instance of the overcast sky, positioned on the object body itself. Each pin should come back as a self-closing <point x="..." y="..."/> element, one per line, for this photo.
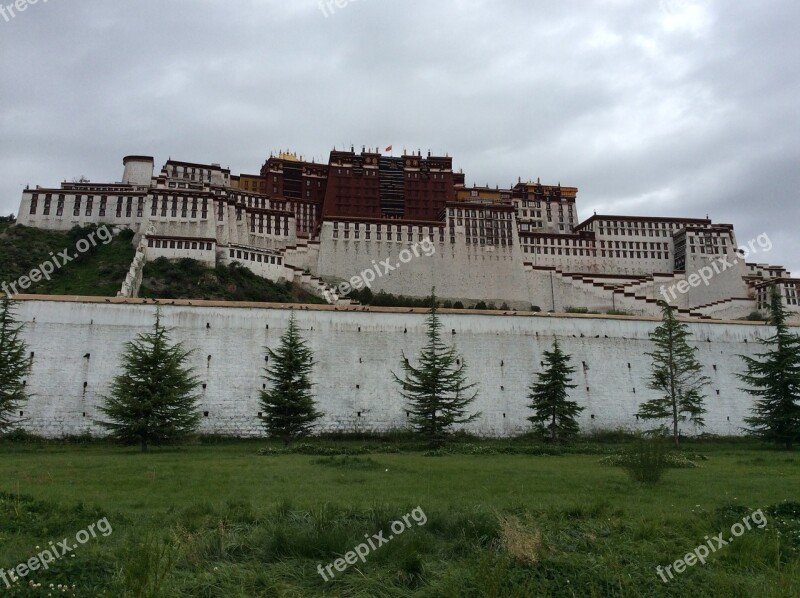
<point x="651" y="107"/>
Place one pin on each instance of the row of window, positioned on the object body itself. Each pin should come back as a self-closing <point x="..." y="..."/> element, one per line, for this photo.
<point x="187" y="209"/>
<point x="566" y="251"/>
<point x="165" y="244"/>
<point x="252" y="256"/>
<point x="487" y="215"/>
<point x="356" y="235"/>
<point x="257" y="222"/>
<point x="378" y="227"/>
<point x="89" y="209"/>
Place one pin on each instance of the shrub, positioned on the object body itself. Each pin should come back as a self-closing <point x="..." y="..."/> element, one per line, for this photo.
<point x="645" y="460"/>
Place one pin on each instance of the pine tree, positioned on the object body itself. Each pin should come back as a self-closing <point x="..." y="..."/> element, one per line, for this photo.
<point x="554" y="413"/>
<point x="676" y="373"/>
<point x="289" y="407"/>
<point x="774" y="378"/>
<point x="153" y="401"/>
<point x="14" y="365"/>
<point x="437" y="390"/>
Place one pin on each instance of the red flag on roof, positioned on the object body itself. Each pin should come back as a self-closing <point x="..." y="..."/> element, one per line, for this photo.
<point x="388" y="149"/>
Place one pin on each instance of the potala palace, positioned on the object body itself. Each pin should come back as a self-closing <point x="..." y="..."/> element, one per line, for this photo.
<point x="363" y="218"/>
<point x="324" y="224"/>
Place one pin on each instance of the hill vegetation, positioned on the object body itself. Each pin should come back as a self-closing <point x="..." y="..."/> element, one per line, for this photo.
<point x="190" y="279"/>
<point x="99" y="271"/>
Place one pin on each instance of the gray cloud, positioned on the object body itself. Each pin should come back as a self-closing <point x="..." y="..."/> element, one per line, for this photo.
<point x="667" y="107"/>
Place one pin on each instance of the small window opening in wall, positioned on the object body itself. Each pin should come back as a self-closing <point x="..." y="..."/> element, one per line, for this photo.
<point x="405" y="330"/>
<point x="717" y="392"/>
<point x="502" y="388"/>
<point x="87" y="356"/>
<point x="205" y="413"/>
<point x="205" y="386"/>
<point x="359" y="328"/>
<point x="358" y="387"/>
<point x="33" y="354"/>
<point x="715" y="367"/>
<point x="458" y="362"/>
<point x="592" y="415"/>
<point x="21" y="413"/>
<point x="267" y="327"/>
<point x="359" y="414"/>
<point x="208" y="325"/>
<point x="637" y="417"/>
<point x="85" y="384"/>
<point x="84" y="414"/>
<point x="502" y="363"/>
<point x="629" y="366"/>
<point x="454" y="330"/>
<point x="541" y="364"/>
<point x="408" y="414"/>
<point x="209" y="358"/>
<point x="634" y="391"/>
<point x="587" y="389"/>
<point x="266" y="358"/>
<point x="504" y="415"/>
<point x="729" y="418"/>
<point x="260" y="414"/>
<point x="264" y="387"/>
<point x="359" y="360"/>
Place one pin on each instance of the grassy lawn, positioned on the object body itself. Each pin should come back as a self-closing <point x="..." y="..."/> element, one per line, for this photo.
<point x="222" y="520"/>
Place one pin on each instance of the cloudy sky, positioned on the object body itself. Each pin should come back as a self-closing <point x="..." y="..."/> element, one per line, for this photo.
<point x="650" y="107"/>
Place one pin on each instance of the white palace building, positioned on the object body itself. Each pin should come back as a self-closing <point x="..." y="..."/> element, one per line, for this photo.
<point x="324" y="224"/>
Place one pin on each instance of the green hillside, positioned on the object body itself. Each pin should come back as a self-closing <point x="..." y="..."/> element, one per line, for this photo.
<point x="99" y="271"/>
<point x="190" y="279"/>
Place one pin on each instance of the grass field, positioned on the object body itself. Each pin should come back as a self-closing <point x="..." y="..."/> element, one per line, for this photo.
<point x="220" y="519"/>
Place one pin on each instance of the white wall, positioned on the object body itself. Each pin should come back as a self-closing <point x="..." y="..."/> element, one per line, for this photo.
<point x="355" y="352"/>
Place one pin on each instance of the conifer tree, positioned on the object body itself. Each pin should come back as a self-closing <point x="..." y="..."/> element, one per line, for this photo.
<point x="677" y="374"/>
<point x="14" y="365"/>
<point x="437" y="391"/>
<point x="773" y="377"/>
<point x="555" y="414"/>
<point x="289" y="407"/>
<point x="153" y="401"/>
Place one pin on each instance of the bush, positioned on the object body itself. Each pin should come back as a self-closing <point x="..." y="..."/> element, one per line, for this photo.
<point x="756" y="316"/>
<point x="645" y="460"/>
<point x="458" y="305"/>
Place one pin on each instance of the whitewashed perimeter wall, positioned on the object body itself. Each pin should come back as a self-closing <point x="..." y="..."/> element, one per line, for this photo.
<point x="77" y="347"/>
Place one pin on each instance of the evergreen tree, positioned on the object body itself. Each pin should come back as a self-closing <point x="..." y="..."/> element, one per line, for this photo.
<point x="153" y="401"/>
<point x="554" y="413"/>
<point x="289" y="407"/>
<point x="774" y="378"/>
<point x="14" y="365"/>
<point x="676" y="373"/>
<point x="437" y="390"/>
